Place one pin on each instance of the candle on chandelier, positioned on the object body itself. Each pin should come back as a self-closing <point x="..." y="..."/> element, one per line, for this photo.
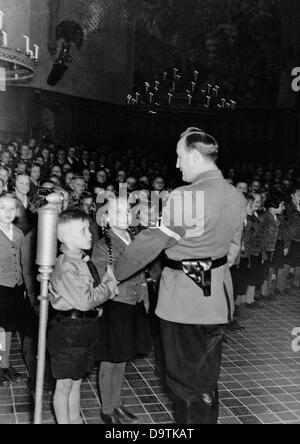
<point x="36" y="52"/>
<point x="228" y="105"/>
<point x="189" y="98"/>
<point x="175" y="73"/>
<point x="209" y="86"/>
<point x="157" y="83"/>
<point x="233" y="104"/>
<point x="208" y="101"/>
<point x="174" y="86"/>
<point x="150" y="97"/>
<point x="137" y="96"/>
<point x="129" y="97"/>
<point x="223" y="103"/>
<point x="170" y="98"/>
<point x="193" y="86"/>
<point x="1" y="19"/>
<point x="165" y="75"/>
<point x="196" y="75"/>
<point x="178" y="78"/>
<point x="217" y="88"/>
<point x="27" y="43"/>
<point x="147" y="85"/>
<point x="4" y="41"/>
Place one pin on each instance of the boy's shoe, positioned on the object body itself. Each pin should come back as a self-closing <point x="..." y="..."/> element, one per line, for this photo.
<point x="253" y="306"/>
<point x="110" y="419"/>
<point x="4" y="380"/>
<point x="235" y="326"/>
<point x="125" y="414"/>
<point x="12" y="374"/>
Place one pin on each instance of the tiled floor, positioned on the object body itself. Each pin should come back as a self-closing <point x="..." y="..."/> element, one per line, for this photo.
<point x="260" y="379"/>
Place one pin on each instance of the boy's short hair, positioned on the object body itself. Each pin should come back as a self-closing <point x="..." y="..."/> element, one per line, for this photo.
<point x="69" y="216"/>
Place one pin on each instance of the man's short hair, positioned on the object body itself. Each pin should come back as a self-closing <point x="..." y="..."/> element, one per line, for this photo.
<point x="197" y="139"/>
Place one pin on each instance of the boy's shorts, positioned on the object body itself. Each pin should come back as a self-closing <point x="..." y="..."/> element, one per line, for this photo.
<point x="71" y="344"/>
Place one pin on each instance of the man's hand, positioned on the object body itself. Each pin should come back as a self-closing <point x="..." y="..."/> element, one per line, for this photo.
<point x="111" y="282"/>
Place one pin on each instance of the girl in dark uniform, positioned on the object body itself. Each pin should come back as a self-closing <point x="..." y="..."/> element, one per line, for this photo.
<point x="124" y="331"/>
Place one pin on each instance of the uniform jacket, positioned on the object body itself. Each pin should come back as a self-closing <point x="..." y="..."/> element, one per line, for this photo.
<point x="72" y="285"/>
<point x="211" y="213"/>
<point x="132" y="290"/>
<point x="254" y="236"/>
<point x="293" y="223"/>
<point x="274" y="230"/>
<point x="10" y="259"/>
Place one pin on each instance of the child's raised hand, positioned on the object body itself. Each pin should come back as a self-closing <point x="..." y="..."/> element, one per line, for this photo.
<point x="111" y="282"/>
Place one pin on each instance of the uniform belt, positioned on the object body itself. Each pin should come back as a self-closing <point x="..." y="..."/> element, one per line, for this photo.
<point x="76" y="314"/>
<point x="177" y="265"/>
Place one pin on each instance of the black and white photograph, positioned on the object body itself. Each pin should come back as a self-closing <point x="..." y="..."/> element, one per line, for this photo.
<point x="149" y="214"/>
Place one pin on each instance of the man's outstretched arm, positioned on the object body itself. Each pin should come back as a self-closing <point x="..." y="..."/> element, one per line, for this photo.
<point x="150" y="243"/>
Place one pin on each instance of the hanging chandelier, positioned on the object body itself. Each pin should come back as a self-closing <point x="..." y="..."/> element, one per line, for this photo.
<point x="16" y="65"/>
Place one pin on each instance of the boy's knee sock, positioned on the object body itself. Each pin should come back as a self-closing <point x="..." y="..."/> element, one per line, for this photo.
<point x="74" y="403"/>
<point x="5" y="352"/>
<point x="61" y="401"/>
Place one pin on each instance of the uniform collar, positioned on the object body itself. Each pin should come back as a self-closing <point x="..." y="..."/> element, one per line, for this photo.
<point x="65" y="250"/>
<point x="211" y="173"/>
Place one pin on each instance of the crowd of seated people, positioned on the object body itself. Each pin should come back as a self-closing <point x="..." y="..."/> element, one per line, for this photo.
<point x="271" y="238"/>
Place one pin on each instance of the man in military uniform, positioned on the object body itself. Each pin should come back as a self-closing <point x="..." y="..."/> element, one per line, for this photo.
<point x="200" y="231"/>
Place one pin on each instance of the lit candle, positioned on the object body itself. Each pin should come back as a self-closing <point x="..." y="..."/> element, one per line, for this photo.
<point x="219" y="106"/>
<point x="174" y="86"/>
<point x="170" y="98"/>
<point x="228" y="105"/>
<point x="27" y="43"/>
<point x="208" y="101"/>
<point x="4" y="42"/>
<point x="217" y="88"/>
<point x="178" y="78"/>
<point x="157" y="83"/>
<point x="189" y="98"/>
<point x="215" y="92"/>
<point x="36" y="52"/>
<point x="150" y="97"/>
<point x="193" y="86"/>
<point x="156" y="89"/>
<point x="1" y="19"/>
<point x="209" y="86"/>
<point x="129" y="97"/>
<point x="147" y="85"/>
<point x="196" y="75"/>
<point x="133" y="101"/>
<point x="223" y="103"/>
<point x="137" y="96"/>
<point x="233" y="104"/>
<point x="165" y="75"/>
<point x="175" y="73"/>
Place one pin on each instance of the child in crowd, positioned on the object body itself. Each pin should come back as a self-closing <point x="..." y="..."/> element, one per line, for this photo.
<point x="11" y="283"/>
<point x="254" y="249"/>
<point x="275" y="243"/>
<point x="124" y="332"/>
<point x="78" y="186"/>
<point x="76" y="293"/>
<point x="293" y="222"/>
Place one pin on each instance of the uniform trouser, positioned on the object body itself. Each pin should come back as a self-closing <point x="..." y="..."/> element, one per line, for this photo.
<point x="193" y="360"/>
